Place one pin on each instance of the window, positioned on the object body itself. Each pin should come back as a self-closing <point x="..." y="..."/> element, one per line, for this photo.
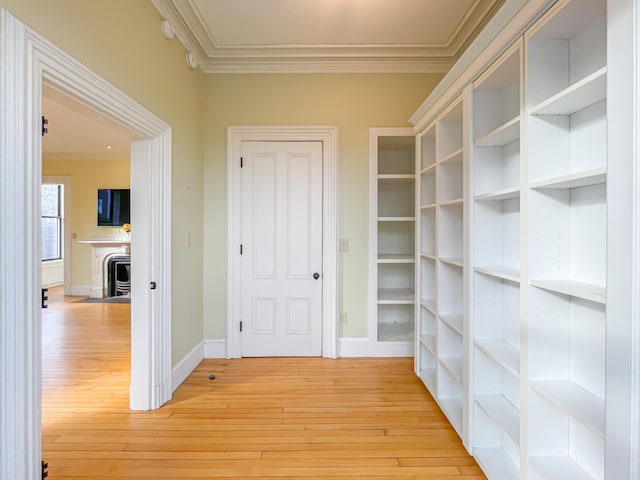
<point x="51" y="195"/>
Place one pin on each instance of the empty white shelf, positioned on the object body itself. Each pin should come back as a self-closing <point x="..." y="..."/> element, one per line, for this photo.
<point x="503" y="194"/>
<point x="397" y="178"/>
<point x="503" y="353"/>
<point x="573" y="180"/>
<point x="395" y="332"/>
<point x="496" y="464"/>
<point x="455" y="261"/>
<point x="428" y="168"/>
<point x="575" y="401"/>
<point x="582" y="94"/>
<point x="429" y="255"/>
<point x="396" y="219"/>
<point x="453" y="366"/>
<point x="500" y="271"/>
<point x="455" y="157"/>
<point x="501" y="136"/>
<point x="429" y="341"/>
<point x="395" y="258"/>
<point x="503" y="413"/>
<point x="559" y="467"/>
<point x="587" y="291"/>
<point x="429" y="304"/>
<point x="452" y="202"/>
<point x="396" y="296"/>
<point x="454" y="321"/>
<point x="428" y="377"/>
<point x="452" y="408"/>
<point x="427" y="207"/>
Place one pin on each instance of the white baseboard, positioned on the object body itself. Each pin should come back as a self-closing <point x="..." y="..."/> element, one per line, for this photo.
<point x="215" y="348"/>
<point x="362" y="347"/>
<point x="80" y="290"/>
<point x="185" y="366"/>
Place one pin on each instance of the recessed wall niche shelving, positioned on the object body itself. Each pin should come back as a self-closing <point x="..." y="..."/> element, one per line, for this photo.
<point x="440" y="353"/>
<point x="392" y="240"/>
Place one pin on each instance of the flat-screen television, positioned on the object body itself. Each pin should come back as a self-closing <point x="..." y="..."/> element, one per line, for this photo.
<point x="113" y="207"/>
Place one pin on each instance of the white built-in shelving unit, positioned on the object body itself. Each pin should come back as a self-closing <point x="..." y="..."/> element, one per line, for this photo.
<point x="392" y="240"/>
<point x="497" y="169"/>
<point x="513" y="248"/>
<point x="567" y="236"/>
<point x="442" y="340"/>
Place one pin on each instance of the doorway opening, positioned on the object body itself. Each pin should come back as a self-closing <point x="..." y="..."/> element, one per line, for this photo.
<point x="27" y="63"/>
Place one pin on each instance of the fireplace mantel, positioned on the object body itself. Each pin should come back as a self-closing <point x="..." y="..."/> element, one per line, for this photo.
<point x="101" y="250"/>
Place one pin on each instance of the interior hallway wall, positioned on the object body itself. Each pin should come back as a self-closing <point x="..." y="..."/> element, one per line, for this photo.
<point x="353" y="103"/>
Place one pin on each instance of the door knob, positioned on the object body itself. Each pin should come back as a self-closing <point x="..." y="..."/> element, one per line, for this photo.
<point x="316" y="276"/>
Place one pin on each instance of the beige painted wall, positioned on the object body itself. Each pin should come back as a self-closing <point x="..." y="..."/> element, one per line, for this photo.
<point x="121" y="41"/>
<point x="353" y="103"/>
<point x="87" y="176"/>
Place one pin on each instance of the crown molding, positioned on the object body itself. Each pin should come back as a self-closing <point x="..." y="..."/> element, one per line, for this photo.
<point x="439" y="58"/>
<point x="326" y="65"/>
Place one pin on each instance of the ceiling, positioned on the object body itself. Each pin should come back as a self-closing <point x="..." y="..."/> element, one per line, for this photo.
<point x="77" y="132"/>
<point x="232" y="36"/>
<point x="284" y="36"/>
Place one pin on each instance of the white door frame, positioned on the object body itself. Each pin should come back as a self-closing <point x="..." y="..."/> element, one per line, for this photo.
<point x="329" y="138"/>
<point x="27" y="60"/>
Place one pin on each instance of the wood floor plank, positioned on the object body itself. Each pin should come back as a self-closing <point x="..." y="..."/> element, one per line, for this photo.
<point x="268" y="418"/>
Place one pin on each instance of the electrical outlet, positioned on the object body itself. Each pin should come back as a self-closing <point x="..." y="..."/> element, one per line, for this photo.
<point x="343" y="246"/>
<point x="343" y="317"/>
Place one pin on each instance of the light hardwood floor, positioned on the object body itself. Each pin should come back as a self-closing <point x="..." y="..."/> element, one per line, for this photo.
<point x="300" y="418"/>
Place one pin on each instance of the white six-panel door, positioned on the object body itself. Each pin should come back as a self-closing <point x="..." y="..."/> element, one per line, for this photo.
<point x="281" y="286"/>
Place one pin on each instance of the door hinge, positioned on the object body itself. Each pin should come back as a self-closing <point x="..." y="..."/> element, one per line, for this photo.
<point x="240" y="325"/>
<point x="240" y="249"/>
<point x="241" y="162"/>
<point x="45" y="122"/>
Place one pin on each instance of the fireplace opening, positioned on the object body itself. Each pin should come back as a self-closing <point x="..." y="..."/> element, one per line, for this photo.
<point x="119" y="276"/>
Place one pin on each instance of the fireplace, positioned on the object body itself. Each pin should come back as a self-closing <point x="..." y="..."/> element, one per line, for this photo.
<point x="101" y="251"/>
<point x="118" y="275"/>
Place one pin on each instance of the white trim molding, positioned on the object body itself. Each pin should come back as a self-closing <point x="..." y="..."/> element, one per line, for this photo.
<point x="184" y="367"/>
<point x="635" y="259"/>
<point x="215" y="348"/>
<point x="363" y="347"/>
<point x="622" y="376"/>
<point x="27" y="61"/>
<point x="214" y="57"/>
<point x="329" y="138"/>
<point x="80" y="290"/>
<point x="20" y="328"/>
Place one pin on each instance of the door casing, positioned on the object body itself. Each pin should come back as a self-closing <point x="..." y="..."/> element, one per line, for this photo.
<point x="27" y="61"/>
<point x="329" y="138"/>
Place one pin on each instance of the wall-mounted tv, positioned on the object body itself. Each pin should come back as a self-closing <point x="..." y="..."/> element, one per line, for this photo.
<point x="113" y="207"/>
